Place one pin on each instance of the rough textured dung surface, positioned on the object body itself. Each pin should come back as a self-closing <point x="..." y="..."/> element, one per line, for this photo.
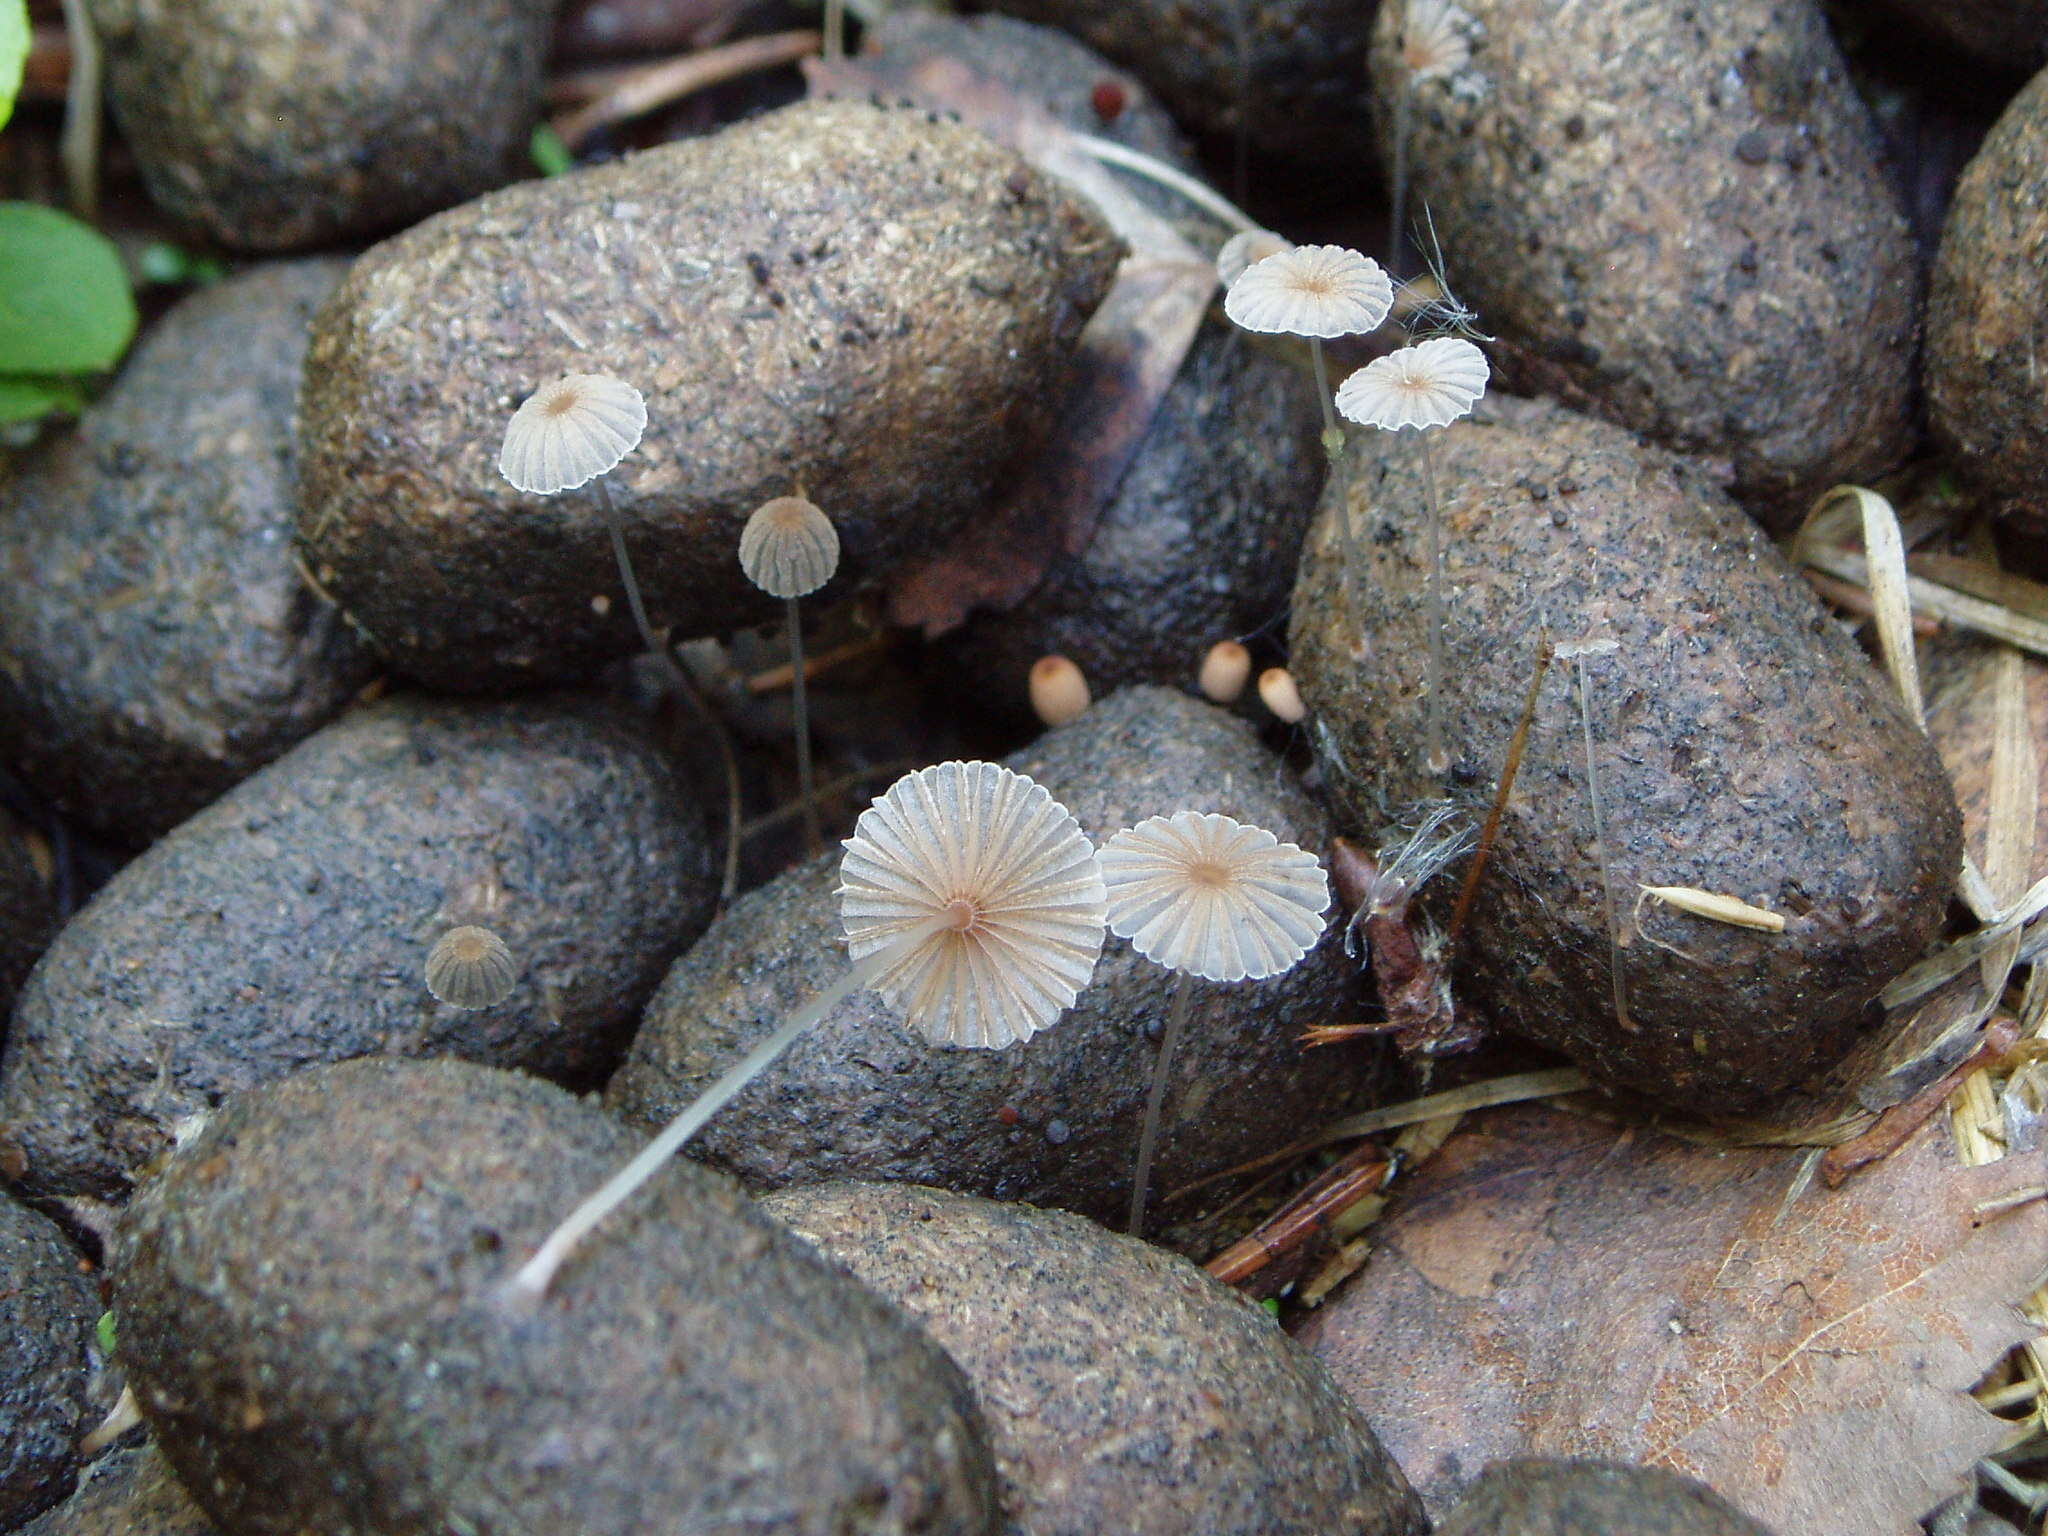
<point x="1054" y="1120"/>
<point x="1743" y="745"/>
<point x="1984" y="329"/>
<point x="1677" y="214"/>
<point x="1592" y="1498"/>
<point x="1198" y="544"/>
<point x="877" y="304"/>
<point x="126" y="1493"/>
<point x="313" y="1311"/>
<point x="290" y="922"/>
<point x="274" y="124"/>
<point x="157" y="645"/>
<point x="26" y="917"/>
<point x="48" y="1307"/>
<point x="1305" y="58"/>
<point x="1124" y="1390"/>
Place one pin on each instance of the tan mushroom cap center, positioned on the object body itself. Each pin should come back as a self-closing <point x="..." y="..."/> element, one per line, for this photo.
<point x="562" y="402"/>
<point x="962" y="915"/>
<point x="1208" y="875"/>
<point x="469" y="945"/>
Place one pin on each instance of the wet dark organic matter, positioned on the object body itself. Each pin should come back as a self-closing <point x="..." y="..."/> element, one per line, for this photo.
<point x="158" y="645"/>
<point x="26" y="915"/>
<point x="313" y="1311"/>
<point x="871" y="302"/>
<point x="290" y="924"/>
<point x="1742" y="744"/>
<point x="1678" y="218"/>
<point x="273" y="125"/>
<point x="1124" y="1390"/>
<point x="1053" y="1120"/>
<point x="49" y="1393"/>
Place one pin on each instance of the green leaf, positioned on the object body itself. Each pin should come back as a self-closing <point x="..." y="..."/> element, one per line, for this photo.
<point x="551" y="156"/>
<point x="14" y="37"/>
<point x="64" y="300"/>
<point x="105" y="1332"/>
<point x="26" y="397"/>
<point x="162" y="262"/>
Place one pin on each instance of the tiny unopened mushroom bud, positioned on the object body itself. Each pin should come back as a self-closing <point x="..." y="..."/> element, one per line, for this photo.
<point x="1278" y="693"/>
<point x="1059" y="692"/>
<point x="471" y="968"/>
<point x="789" y="547"/>
<point x="1225" y="671"/>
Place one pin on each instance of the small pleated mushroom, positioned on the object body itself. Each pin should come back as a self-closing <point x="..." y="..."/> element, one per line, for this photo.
<point x="1434" y="45"/>
<point x="1318" y="292"/>
<point x="1206" y="895"/>
<point x="1247" y="248"/>
<point x="470" y="968"/>
<point x="972" y="903"/>
<point x="1423" y="387"/>
<point x="789" y="549"/>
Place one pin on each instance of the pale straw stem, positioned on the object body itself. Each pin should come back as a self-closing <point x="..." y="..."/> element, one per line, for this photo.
<point x="1436" y="756"/>
<point x="1600" y="849"/>
<point x="813" y="838"/>
<point x="1399" y="210"/>
<point x="680" y="681"/>
<point x="1148" y="1136"/>
<point x="534" y="1276"/>
<point x="835" y="30"/>
<point x="1200" y="193"/>
<point x="1333" y="449"/>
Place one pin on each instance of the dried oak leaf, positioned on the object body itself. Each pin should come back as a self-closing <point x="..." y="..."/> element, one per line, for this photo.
<point x="1554" y="1285"/>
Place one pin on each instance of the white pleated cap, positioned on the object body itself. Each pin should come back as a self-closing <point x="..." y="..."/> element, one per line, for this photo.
<point x="789" y="547"/>
<point x="1002" y="884"/>
<point x="1211" y="896"/>
<point x="1430" y="384"/>
<point x="1311" y="290"/>
<point x="471" y="968"/>
<point x="570" y="432"/>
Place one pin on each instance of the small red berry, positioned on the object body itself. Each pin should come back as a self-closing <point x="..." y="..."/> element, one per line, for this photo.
<point x="1007" y="1115"/>
<point x="1107" y="99"/>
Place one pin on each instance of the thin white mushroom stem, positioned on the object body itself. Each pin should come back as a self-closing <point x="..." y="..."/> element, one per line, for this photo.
<point x="835" y="30"/>
<point x="1436" y="757"/>
<point x="1148" y="1135"/>
<point x="1403" y="108"/>
<point x="538" y="1272"/>
<point x="1601" y="852"/>
<point x="1333" y="450"/>
<point x="1200" y="193"/>
<point x="799" y="701"/>
<point x="680" y="681"/>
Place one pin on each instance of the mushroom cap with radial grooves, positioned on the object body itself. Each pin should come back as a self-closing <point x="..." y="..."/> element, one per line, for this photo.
<point x="992" y="850"/>
<point x="569" y="432"/>
<point x="471" y="968"/>
<point x="789" y="547"/>
<point x="1430" y="384"/>
<point x="1247" y="248"/>
<point x="1211" y="896"/>
<point x="1434" y="41"/>
<point x="1311" y="290"/>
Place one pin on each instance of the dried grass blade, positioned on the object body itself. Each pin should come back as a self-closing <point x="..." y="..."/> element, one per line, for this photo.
<point x="2014" y="798"/>
<point x="1517" y="1089"/>
<point x="1938" y="967"/>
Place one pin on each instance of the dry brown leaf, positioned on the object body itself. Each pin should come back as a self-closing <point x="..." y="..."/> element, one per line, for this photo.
<point x="1128" y="355"/>
<point x="1553" y="1285"/>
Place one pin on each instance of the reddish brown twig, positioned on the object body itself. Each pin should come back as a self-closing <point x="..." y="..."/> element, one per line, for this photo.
<point x="1895" y="1127"/>
<point x="658" y="85"/>
<point x="1361" y="1172"/>
<point x="1491" y="829"/>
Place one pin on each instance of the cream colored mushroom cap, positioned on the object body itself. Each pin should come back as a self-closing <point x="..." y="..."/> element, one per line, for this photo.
<point x="1211" y="896"/>
<point x="1430" y="384"/>
<point x="471" y="968"/>
<point x="789" y="547"/>
<point x="1247" y="248"/>
<point x="1002" y="884"/>
<point x="1311" y="290"/>
<point x="571" y="431"/>
<point x="1434" y="40"/>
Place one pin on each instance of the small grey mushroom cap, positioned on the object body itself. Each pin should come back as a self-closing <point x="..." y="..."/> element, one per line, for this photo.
<point x="1323" y="291"/>
<point x="471" y="968"/>
<point x="1430" y="384"/>
<point x="789" y="547"/>
<point x="569" y="432"/>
